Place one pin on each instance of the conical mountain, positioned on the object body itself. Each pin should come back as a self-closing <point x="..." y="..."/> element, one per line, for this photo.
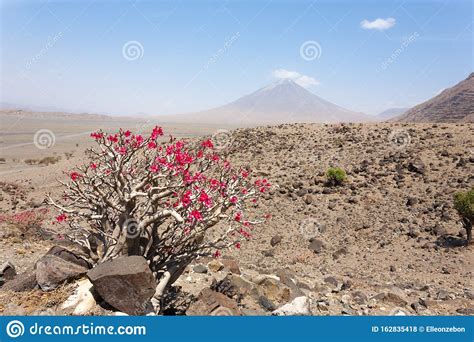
<point x="284" y="101"/>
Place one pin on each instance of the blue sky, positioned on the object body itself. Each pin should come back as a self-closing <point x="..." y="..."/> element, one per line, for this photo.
<point x="193" y="55"/>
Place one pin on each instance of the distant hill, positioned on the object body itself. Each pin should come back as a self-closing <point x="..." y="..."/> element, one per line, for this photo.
<point x="17" y="113"/>
<point x="391" y="113"/>
<point x="455" y="104"/>
<point x="281" y="102"/>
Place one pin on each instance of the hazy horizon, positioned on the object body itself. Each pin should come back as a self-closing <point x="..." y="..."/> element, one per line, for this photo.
<point x="164" y="58"/>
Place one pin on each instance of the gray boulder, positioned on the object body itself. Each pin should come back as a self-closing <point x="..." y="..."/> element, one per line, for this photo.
<point x="51" y="271"/>
<point x="125" y="283"/>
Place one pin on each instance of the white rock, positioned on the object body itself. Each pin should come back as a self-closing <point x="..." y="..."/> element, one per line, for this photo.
<point x="82" y="299"/>
<point x="398" y="312"/>
<point x="298" y="307"/>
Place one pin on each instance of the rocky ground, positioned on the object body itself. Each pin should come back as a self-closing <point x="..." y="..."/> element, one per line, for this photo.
<point x="387" y="241"/>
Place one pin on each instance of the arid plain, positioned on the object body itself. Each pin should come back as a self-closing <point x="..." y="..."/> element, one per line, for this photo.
<point x="386" y="242"/>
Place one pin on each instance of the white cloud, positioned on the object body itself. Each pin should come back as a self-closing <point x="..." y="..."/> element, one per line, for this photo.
<point x="302" y="80"/>
<point x="378" y="24"/>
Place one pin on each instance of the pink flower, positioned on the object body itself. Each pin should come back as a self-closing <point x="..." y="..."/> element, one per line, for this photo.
<point x="154" y="168"/>
<point x="93" y="166"/>
<point x="195" y="215"/>
<point x="214" y="183"/>
<point x="205" y="199"/>
<point x="113" y="138"/>
<point x="207" y="144"/>
<point x="157" y="131"/>
<point x="61" y="218"/>
<point x="238" y="245"/>
<point x="127" y="133"/>
<point x="233" y="199"/>
<point x="238" y="217"/>
<point x="151" y="145"/>
<point x="217" y="254"/>
<point x="138" y="139"/>
<point x="122" y="150"/>
<point x="97" y="135"/>
<point x="74" y="175"/>
<point x="186" y="200"/>
<point x="244" y="233"/>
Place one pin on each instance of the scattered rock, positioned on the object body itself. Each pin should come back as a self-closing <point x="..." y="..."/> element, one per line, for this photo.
<point x="392" y="295"/>
<point x="266" y="303"/>
<point x="399" y="312"/>
<point x="69" y="256"/>
<point x="466" y="311"/>
<point x="233" y="286"/>
<point x="287" y="280"/>
<point x="215" y="266"/>
<point x="316" y="245"/>
<point x="275" y="240"/>
<point x="200" y="268"/>
<point x="214" y="304"/>
<point x="7" y="271"/>
<point x="339" y="252"/>
<point x="231" y="264"/>
<point x="25" y="281"/>
<point x="332" y="281"/>
<point x="300" y="306"/>
<point x="359" y="297"/>
<point x="274" y="290"/>
<point x="126" y="283"/>
<point x="52" y="271"/>
<point x="442" y="295"/>
<point x="416" y="166"/>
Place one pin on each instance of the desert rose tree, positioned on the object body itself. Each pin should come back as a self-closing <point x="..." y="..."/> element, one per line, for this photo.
<point x="163" y="201"/>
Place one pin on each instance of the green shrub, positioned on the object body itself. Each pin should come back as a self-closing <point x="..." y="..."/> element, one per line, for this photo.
<point x="464" y="204"/>
<point x="336" y="176"/>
